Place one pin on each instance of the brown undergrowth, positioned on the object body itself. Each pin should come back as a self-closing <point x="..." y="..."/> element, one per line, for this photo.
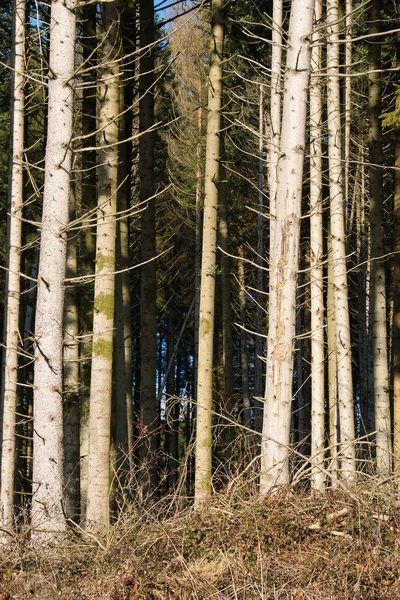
<point x="288" y="547"/>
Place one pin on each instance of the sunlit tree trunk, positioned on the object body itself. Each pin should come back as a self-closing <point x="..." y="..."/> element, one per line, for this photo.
<point x="285" y="253"/>
<point x="97" y="515"/>
<point x="378" y="278"/>
<point x="316" y="269"/>
<point x="276" y="108"/>
<point x="343" y="342"/>
<point x="11" y="342"/>
<point x="208" y="263"/>
<point x="47" y="514"/>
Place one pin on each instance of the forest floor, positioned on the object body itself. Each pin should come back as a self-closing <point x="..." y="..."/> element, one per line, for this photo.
<point x="339" y="546"/>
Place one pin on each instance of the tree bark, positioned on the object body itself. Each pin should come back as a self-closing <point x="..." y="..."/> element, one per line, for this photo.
<point x="285" y="254"/>
<point x="9" y="380"/>
<point x="244" y="357"/>
<point x="208" y="263"/>
<point x="87" y="244"/>
<point x="71" y="381"/>
<point x="123" y="330"/>
<point x="47" y="514"/>
<point x="97" y="516"/>
<point x="148" y="322"/>
<point x="396" y="287"/>
<point x="343" y="341"/>
<point x="228" y="430"/>
<point x="260" y="311"/>
<point x="316" y="269"/>
<point x="378" y="278"/>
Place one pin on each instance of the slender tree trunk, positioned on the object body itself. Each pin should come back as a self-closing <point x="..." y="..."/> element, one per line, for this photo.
<point x="285" y="255"/>
<point x="343" y="341"/>
<point x="71" y="381"/>
<point x="260" y="312"/>
<point x="148" y="322"/>
<point x="208" y="264"/>
<point x="171" y="402"/>
<point x="123" y="333"/>
<point x="87" y="241"/>
<point x="316" y="269"/>
<point x="197" y="249"/>
<point x="378" y="278"/>
<point x="244" y="357"/>
<point x="227" y="343"/>
<point x="97" y="516"/>
<point x="347" y="99"/>
<point x="276" y="108"/>
<point x="9" y="378"/>
<point x="332" y="368"/>
<point x="396" y="288"/>
<point x="47" y="514"/>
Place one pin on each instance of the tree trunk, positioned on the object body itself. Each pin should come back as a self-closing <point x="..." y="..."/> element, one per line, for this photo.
<point x="332" y="369"/>
<point x="244" y="358"/>
<point x="378" y="278"/>
<point x="208" y="263"/>
<point x="316" y="269"/>
<point x="71" y="381"/>
<point x="260" y="297"/>
<point x="276" y="108"/>
<point x="97" y="516"/>
<point x="343" y="341"/>
<point x="228" y="430"/>
<point x="47" y="514"/>
<point x="87" y="240"/>
<point x="9" y="378"/>
<point x="396" y="287"/>
<point x="148" y="321"/>
<point x="285" y="254"/>
<point x="123" y="333"/>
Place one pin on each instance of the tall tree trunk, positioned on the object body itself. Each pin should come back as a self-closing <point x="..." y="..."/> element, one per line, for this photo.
<point x="316" y="269"/>
<point x="123" y="333"/>
<point x="9" y="378"/>
<point x="347" y="99"/>
<point x="332" y="368"/>
<point x="285" y="254"/>
<point x="97" y="516"/>
<point x="47" y="514"/>
<point x="260" y="311"/>
<point x="148" y="321"/>
<point x="87" y="240"/>
<point x="276" y="108"/>
<point x="208" y="263"/>
<point x="197" y="242"/>
<point x="396" y="287"/>
<point x="378" y="278"/>
<point x="71" y="380"/>
<point x="244" y="357"/>
<point x="227" y="343"/>
<point x="343" y="341"/>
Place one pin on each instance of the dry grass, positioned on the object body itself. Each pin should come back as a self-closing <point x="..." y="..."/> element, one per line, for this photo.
<point x="291" y="547"/>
